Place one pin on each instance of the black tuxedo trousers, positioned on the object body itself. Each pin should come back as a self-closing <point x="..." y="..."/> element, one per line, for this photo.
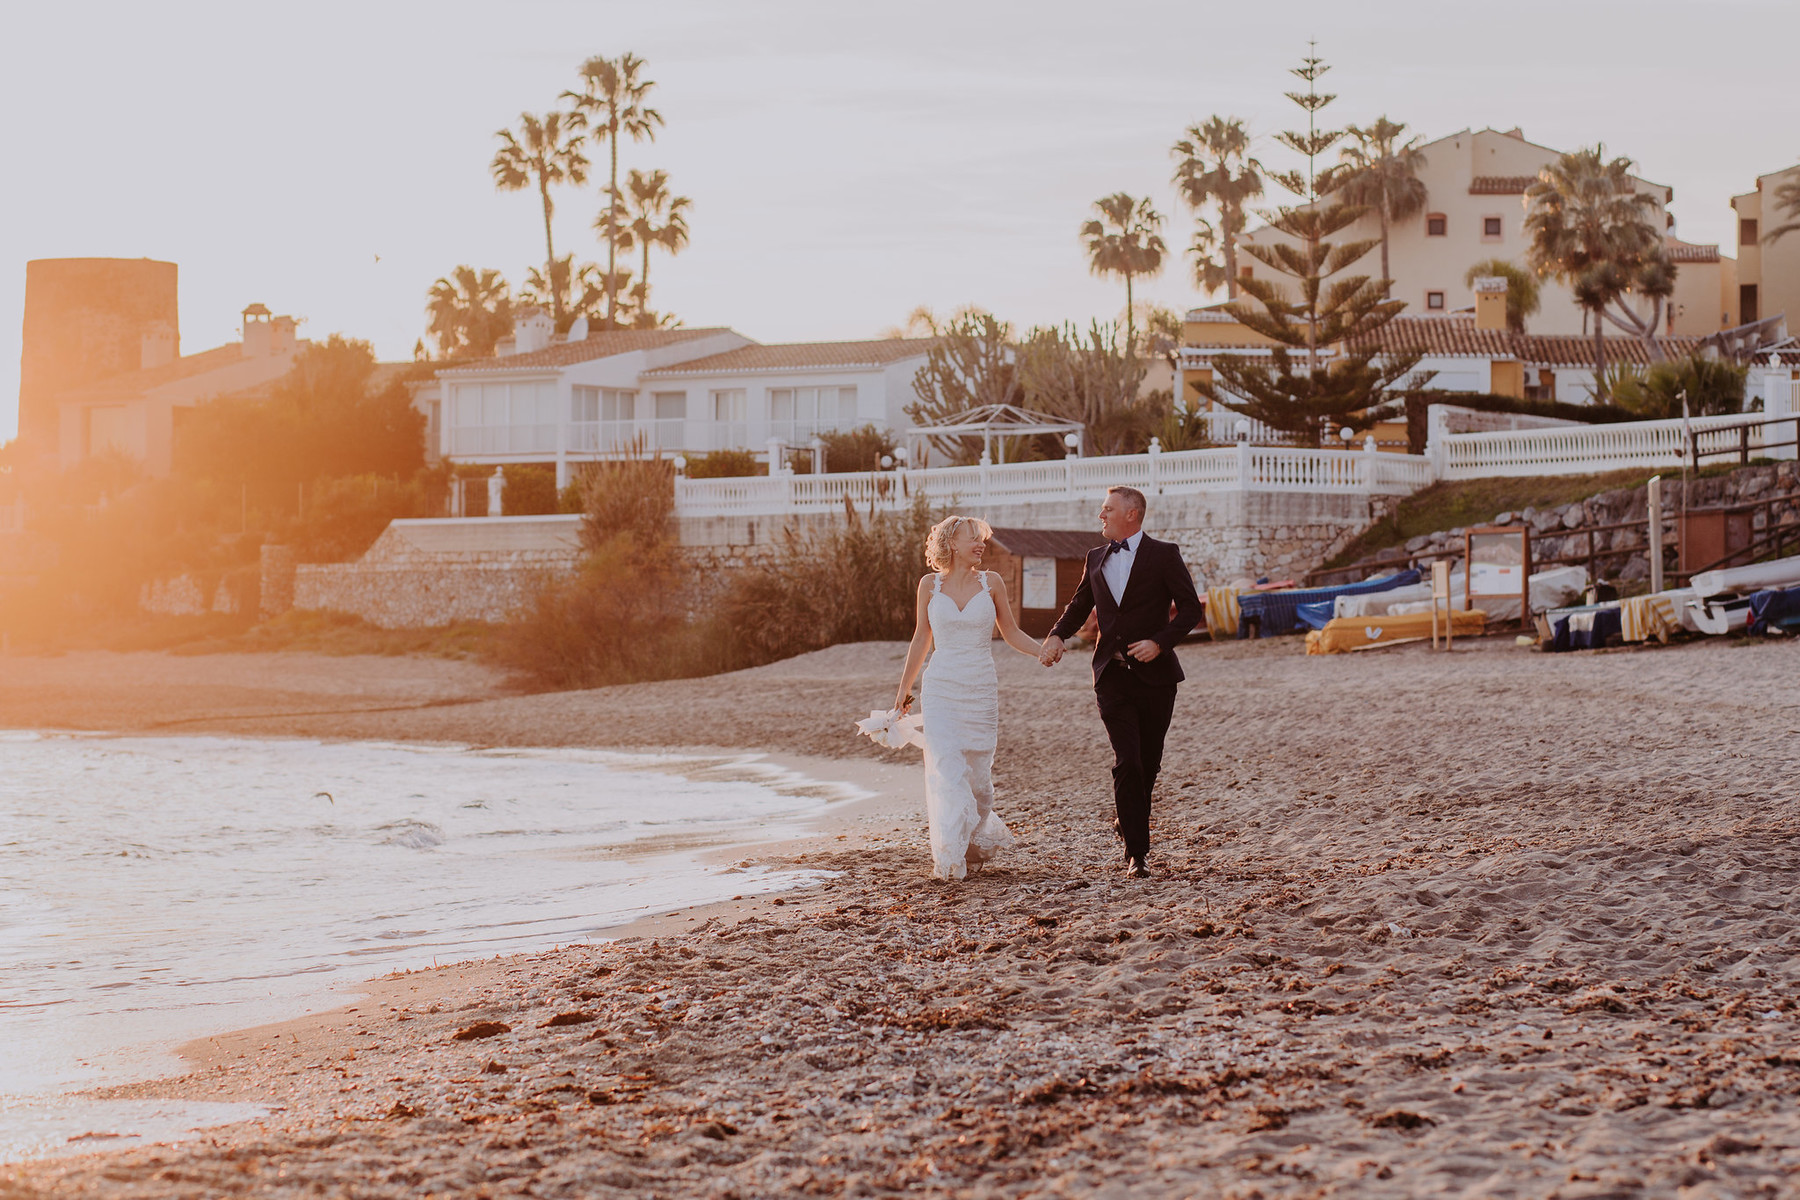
<point x="1136" y="699"/>
<point x="1136" y="712"/>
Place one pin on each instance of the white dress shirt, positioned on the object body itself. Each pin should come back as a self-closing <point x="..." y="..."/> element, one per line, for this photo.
<point x="1116" y="570"/>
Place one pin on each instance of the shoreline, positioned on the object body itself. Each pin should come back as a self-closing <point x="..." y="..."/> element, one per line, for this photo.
<point x="1418" y="924"/>
<point x="875" y="796"/>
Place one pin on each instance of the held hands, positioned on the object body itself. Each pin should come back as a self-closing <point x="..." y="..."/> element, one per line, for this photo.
<point x="1144" y="651"/>
<point x="1052" y="651"/>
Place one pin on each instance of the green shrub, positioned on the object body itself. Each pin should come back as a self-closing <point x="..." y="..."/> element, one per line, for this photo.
<point x="724" y="464"/>
<point x="623" y="619"/>
<point x="342" y="517"/>
<point x="1712" y="386"/>
<point x="634" y="613"/>
<point x="530" y="491"/>
<point x="634" y="497"/>
<point x="858" y="449"/>
<point x="857" y="583"/>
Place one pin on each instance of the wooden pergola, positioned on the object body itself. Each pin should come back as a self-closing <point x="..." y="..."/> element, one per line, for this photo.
<point x="991" y="422"/>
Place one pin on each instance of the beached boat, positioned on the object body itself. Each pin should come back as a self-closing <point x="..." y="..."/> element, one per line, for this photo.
<point x="1757" y="577"/>
<point x="1717" y="615"/>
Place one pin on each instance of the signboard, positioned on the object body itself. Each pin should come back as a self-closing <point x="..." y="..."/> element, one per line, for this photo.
<point x="1497" y="579"/>
<point x="1499" y="564"/>
<point x="1038" y="588"/>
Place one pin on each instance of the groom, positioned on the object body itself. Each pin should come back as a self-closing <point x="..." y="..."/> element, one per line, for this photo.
<point x="1132" y="582"/>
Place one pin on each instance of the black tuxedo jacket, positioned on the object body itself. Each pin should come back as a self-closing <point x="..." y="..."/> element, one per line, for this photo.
<point x="1158" y="579"/>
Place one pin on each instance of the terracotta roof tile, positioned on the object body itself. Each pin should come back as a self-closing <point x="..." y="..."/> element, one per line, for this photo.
<point x="1690" y="252"/>
<point x="1446" y="336"/>
<point x="802" y="356"/>
<point x="603" y="344"/>
<point x="1500" y="185"/>
<point x="1577" y="350"/>
<point x="1048" y="543"/>
<point x="1457" y="337"/>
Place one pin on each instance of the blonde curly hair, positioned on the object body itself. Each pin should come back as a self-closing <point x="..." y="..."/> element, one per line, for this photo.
<point x="939" y="554"/>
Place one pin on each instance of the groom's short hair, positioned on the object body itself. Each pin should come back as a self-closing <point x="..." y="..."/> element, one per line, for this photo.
<point x="1133" y="498"/>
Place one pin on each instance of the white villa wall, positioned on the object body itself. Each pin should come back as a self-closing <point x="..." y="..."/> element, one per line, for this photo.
<point x="1420" y="263"/>
<point x="882" y="394"/>
<point x="546" y="436"/>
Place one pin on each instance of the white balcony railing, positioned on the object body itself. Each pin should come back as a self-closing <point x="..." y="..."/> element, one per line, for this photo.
<point x="612" y="437"/>
<point x="1235" y="468"/>
<point x="469" y="441"/>
<point x="1589" y="449"/>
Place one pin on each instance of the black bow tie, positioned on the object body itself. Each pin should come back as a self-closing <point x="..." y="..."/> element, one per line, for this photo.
<point x="1113" y="548"/>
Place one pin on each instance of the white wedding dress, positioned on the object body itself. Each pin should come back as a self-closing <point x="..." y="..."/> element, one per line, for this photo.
<point x="960" y="696"/>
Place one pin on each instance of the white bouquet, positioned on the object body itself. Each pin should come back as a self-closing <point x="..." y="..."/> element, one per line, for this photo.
<point x="891" y="730"/>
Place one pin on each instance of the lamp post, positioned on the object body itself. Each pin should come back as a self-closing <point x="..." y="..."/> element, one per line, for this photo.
<point x="1072" y="443"/>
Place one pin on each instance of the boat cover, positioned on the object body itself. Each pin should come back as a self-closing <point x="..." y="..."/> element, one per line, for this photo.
<point x="1779" y="607"/>
<point x="1278" y="612"/>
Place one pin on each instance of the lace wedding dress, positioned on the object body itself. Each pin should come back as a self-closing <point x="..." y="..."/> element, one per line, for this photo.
<point x="960" y="696"/>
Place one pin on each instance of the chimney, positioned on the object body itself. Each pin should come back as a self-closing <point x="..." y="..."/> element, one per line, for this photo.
<point x="281" y="335"/>
<point x="256" y="330"/>
<point x="532" y="329"/>
<point x="1490" y="302"/>
<point x="157" y="347"/>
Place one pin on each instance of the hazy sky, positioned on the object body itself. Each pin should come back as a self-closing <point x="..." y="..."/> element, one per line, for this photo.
<point x="847" y="161"/>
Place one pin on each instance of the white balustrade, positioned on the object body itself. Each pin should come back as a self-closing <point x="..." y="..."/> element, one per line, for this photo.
<point x="1560" y="450"/>
<point x="1270" y="468"/>
<point x="1588" y="449"/>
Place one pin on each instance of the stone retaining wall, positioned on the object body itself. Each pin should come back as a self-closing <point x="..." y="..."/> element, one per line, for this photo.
<point x="1550" y="536"/>
<point x="1222" y="535"/>
<point x="411" y="597"/>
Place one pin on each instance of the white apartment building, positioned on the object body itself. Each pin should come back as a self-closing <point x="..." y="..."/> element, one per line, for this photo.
<point x="677" y="391"/>
<point x="1475" y="183"/>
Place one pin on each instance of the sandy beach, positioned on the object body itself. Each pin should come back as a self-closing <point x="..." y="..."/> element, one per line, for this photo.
<point x="1486" y="924"/>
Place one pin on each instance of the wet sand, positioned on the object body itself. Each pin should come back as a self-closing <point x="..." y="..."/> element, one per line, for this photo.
<point x="1486" y="924"/>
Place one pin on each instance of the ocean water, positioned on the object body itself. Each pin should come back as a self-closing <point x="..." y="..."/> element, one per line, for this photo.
<point x="156" y="889"/>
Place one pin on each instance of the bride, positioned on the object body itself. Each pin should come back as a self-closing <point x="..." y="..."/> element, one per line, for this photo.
<point x="958" y="606"/>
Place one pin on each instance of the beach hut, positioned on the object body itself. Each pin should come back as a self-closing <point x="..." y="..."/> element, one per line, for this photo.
<point x="1042" y="568"/>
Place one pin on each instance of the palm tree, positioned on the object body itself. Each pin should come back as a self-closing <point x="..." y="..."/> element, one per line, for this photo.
<point x="577" y="288"/>
<point x="613" y="96"/>
<point x="469" y="311"/>
<point x="651" y="217"/>
<point x="546" y="151"/>
<point x="1588" y="225"/>
<point x="1213" y="165"/>
<point x="1124" y="241"/>
<point x="1521" y="289"/>
<point x="1380" y="172"/>
<point x="1787" y="200"/>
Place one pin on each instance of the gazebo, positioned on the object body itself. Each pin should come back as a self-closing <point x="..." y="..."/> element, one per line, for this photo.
<point x="990" y="422"/>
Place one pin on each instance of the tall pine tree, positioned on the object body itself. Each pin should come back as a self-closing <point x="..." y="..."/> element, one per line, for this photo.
<point x="1313" y="380"/>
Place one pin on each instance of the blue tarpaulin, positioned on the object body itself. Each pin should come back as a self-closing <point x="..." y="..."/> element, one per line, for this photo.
<point x="1779" y="607"/>
<point x="1274" y="613"/>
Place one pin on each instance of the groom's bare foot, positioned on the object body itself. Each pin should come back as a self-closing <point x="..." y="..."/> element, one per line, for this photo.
<point x="1137" y="869"/>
